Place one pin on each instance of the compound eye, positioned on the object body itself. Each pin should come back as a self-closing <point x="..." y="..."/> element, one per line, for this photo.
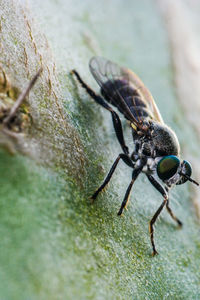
<point x="167" y="167"/>
<point x="187" y="170"/>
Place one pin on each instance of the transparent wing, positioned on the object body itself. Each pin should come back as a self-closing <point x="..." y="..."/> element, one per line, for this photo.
<point x="125" y="90"/>
<point x="144" y="94"/>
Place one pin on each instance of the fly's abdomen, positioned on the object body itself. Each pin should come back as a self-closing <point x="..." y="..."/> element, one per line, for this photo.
<point x="114" y="91"/>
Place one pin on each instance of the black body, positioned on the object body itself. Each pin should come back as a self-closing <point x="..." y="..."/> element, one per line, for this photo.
<point x="159" y="132"/>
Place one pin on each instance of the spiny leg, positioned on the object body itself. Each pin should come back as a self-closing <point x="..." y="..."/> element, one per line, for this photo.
<point x="122" y="156"/>
<point x="151" y="228"/>
<point x="135" y="174"/>
<point x="116" y="120"/>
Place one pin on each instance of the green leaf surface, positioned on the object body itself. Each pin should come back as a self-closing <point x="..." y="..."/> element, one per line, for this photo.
<point x="54" y="243"/>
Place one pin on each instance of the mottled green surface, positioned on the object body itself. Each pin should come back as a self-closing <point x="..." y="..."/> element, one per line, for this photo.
<point x="54" y="243"/>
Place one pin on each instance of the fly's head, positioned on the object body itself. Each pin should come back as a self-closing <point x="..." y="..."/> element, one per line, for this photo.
<point x="172" y="171"/>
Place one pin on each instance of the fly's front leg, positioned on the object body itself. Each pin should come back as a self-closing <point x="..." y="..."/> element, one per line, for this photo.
<point x="180" y="224"/>
<point x="127" y="161"/>
<point x="151" y="227"/>
<point x="115" y="118"/>
<point x="160" y="188"/>
<point x="164" y="192"/>
<point x="172" y="215"/>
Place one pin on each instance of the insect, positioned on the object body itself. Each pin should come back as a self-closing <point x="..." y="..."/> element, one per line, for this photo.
<point x="12" y="119"/>
<point x="156" y="148"/>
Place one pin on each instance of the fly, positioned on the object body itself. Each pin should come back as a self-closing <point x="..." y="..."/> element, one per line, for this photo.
<point x="157" y="150"/>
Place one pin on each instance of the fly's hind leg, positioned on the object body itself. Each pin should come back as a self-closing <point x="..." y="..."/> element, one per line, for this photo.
<point x="115" y="118"/>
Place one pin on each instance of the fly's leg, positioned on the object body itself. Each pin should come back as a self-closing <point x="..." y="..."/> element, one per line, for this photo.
<point x="172" y="215"/>
<point x="166" y="201"/>
<point x="180" y="224"/>
<point x="122" y="156"/>
<point x="118" y="130"/>
<point x="107" y="179"/>
<point x="161" y="189"/>
<point x="164" y="192"/>
<point x="135" y="174"/>
<point x="115" y="118"/>
<point x="151" y="227"/>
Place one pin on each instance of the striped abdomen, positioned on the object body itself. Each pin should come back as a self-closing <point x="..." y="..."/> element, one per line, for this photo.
<point x="114" y="90"/>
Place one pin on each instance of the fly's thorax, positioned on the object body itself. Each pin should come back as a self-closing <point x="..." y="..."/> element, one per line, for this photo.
<point x="150" y="167"/>
<point x="164" y="140"/>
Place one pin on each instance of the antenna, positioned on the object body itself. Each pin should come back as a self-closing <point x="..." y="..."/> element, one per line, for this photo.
<point x="190" y="179"/>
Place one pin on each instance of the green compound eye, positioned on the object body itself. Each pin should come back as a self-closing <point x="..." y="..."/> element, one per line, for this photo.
<point x="167" y="167"/>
